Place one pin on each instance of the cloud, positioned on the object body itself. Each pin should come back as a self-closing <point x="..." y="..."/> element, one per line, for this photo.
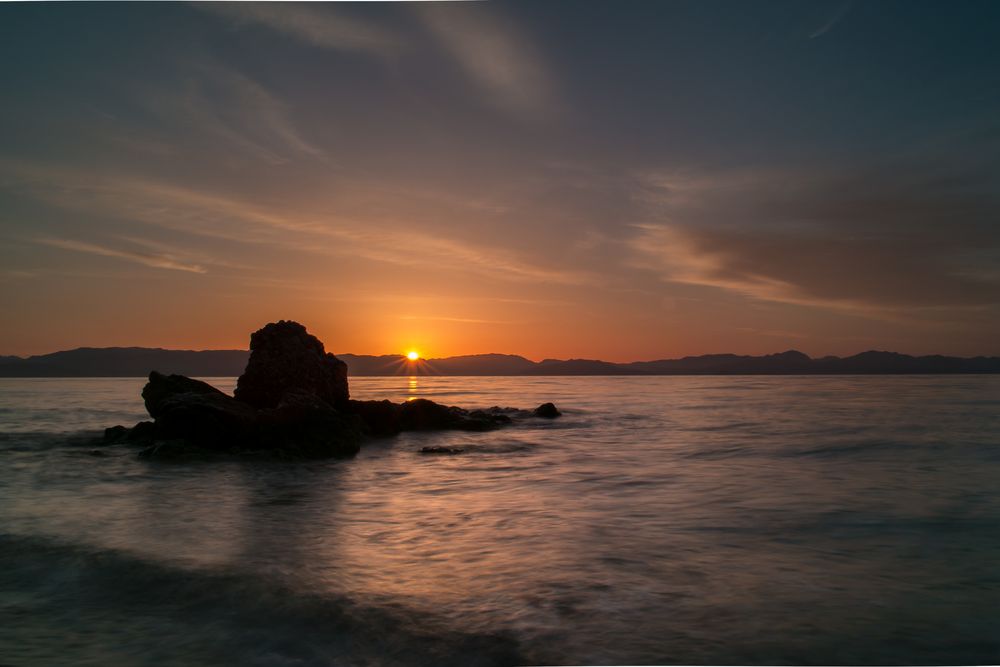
<point x="489" y="49"/>
<point x="314" y="24"/>
<point x="151" y="259"/>
<point x="241" y="221"/>
<point x="492" y="52"/>
<point x="460" y="320"/>
<point x="834" y="19"/>
<point x="890" y="240"/>
<point x="218" y="102"/>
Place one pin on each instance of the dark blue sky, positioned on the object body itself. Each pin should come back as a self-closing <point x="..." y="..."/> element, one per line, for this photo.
<point x="608" y="179"/>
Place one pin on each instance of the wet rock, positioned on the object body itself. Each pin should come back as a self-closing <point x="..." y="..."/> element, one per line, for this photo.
<point x="143" y="432"/>
<point x="306" y="427"/>
<point x="115" y="434"/>
<point x="285" y="357"/>
<point x="208" y="420"/>
<point x="380" y="418"/>
<point x="177" y="451"/>
<point x="547" y="410"/>
<point x="421" y="414"/>
<point x="441" y="450"/>
<point x="493" y="415"/>
<point x="163" y="387"/>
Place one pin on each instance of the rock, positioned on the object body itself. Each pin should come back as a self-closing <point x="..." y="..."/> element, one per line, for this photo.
<point x="191" y="414"/>
<point x="115" y="434"/>
<point x="547" y="410"/>
<point x="421" y="414"/>
<point x="380" y="418"/>
<point x="143" y="432"/>
<point x="493" y="415"/>
<point x="209" y="420"/>
<point x="176" y="451"/>
<point x="161" y="387"/>
<point x="303" y="426"/>
<point x="441" y="450"/>
<point x="285" y="357"/>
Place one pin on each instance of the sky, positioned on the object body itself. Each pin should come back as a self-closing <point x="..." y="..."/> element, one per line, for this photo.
<point x="613" y="180"/>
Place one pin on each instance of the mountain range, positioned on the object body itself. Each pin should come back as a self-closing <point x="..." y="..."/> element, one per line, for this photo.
<point x="139" y="361"/>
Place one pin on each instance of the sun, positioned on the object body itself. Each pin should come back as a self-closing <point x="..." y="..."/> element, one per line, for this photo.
<point x="412" y="355"/>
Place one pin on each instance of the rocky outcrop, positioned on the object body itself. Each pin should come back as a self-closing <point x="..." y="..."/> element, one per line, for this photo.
<point x="192" y="414"/>
<point x="161" y="388"/>
<point x="547" y="410"/>
<point x="283" y="357"/>
<point x="292" y="402"/>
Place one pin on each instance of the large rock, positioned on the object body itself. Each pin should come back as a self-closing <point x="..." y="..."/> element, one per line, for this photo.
<point x="547" y="410"/>
<point x="161" y="387"/>
<point x="285" y="357"/>
<point x="383" y="418"/>
<point x="198" y="413"/>
<point x="421" y="414"/>
<point x="303" y="426"/>
<point x="193" y="419"/>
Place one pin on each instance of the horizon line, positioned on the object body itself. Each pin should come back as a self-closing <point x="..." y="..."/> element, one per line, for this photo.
<point x="403" y="355"/>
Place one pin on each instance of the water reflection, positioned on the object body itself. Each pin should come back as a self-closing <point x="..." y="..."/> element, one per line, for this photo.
<point x="718" y="520"/>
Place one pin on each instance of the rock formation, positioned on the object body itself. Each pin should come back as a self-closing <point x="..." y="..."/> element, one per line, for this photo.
<point x="292" y="402"/>
<point x="284" y="356"/>
<point x="547" y="410"/>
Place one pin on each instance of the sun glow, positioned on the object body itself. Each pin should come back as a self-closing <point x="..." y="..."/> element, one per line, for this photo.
<point x="412" y="355"/>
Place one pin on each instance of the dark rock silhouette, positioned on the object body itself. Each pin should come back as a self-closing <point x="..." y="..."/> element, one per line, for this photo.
<point x="381" y="418"/>
<point x="198" y="413"/>
<point x="161" y="387"/>
<point x="547" y="410"/>
<point x="193" y="413"/>
<point x="292" y="402"/>
<point x="284" y="356"/>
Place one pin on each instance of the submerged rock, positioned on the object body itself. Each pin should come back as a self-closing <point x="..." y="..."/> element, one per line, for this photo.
<point x="441" y="450"/>
<point x="547" y="410"/>
<point x="285" y="357"/>
<point x="380" y="418"/>
<point x="115" y="434"/>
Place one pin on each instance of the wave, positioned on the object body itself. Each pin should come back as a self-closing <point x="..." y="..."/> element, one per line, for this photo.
<point x="110" y="607"/>
<point x="836" y="449"/>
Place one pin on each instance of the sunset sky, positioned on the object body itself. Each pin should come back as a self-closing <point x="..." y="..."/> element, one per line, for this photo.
<point x="606" y="179"/>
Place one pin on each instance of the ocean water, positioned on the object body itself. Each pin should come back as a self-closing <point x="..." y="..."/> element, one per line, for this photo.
<point x="720" y="520"/>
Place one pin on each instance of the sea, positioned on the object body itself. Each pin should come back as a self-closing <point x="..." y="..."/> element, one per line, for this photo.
<point x="661" y="520"/>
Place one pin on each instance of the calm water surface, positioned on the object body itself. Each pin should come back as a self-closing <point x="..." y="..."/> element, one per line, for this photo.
<point x="689" y="520"/>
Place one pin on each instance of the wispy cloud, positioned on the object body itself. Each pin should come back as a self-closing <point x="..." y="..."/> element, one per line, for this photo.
<point x="490" y="49"/>
<point x="155" y="260"/>
<point x="494" y="54"/>
<point x="460" y="320"/>
<point x="878" y="243"/>
<point x="316" y="24"/>
<point x="834" y="19"/>
<point x="241" y="221"/>
<point x="219" y="102"/>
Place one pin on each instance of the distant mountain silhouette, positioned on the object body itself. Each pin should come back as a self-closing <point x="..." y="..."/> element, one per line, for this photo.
<point x="126" y="362"/>
<point x="139" y="361"/>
